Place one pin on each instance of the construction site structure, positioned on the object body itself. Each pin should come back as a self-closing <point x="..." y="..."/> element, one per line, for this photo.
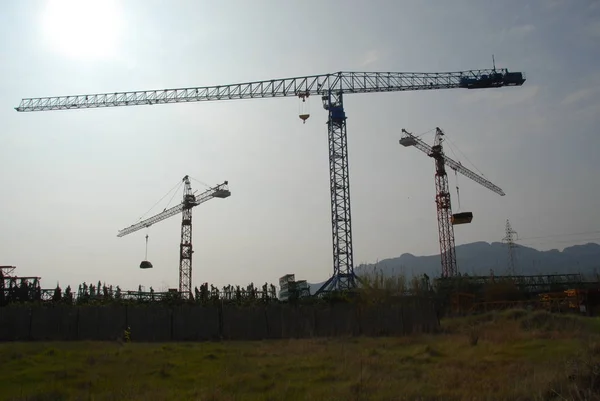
<point x="185" y="249"/>
<point x="290" y="289"/>
<point x="531" y="284"/>
<point x="553" y="292"/>
<point x="446" y="220"/>
<point x="18" y="289"/>
<point x="331" y="88"/>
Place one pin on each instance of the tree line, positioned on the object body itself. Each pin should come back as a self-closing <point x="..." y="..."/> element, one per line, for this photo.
<point x="102" y="293"/>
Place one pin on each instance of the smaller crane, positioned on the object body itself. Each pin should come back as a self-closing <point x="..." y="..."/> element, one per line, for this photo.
<point x="185" y="249"/>
<point x="446" y="220"/>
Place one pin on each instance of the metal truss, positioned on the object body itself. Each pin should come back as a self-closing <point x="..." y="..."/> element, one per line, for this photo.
<point x="533" y="284"/>
<point x="185" y="255"/>
<point x="411" y="140"/>
<point x="218" y="191"/>
<point x="340" y="82"/>
<point x="343" y="278"/>
<point x="445" y="227"/>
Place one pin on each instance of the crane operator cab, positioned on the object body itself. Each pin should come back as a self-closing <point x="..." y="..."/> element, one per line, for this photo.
<point x="462" y="218"/>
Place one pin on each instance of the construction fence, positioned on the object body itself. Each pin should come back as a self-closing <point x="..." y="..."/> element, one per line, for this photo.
<point x="216" y="322"/>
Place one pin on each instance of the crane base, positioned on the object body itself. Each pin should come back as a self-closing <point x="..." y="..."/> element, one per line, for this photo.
<point x="339" y="283"/>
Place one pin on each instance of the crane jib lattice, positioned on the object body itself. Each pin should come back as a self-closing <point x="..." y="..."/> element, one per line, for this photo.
<point x="340" y="82"/>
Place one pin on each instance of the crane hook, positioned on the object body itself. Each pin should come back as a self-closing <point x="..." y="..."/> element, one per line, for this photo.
<point x="304" y="112"/>
<point x="457" y="189"/>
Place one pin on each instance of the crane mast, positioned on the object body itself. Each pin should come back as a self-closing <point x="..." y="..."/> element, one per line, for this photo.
<point x="444" y="209"/>
<point x="343" y="278"/>
<point x="185" y="246"/>
<point x="331" y="88"/>
<point x="442" y="195"/>
<point x="185" y="208"/>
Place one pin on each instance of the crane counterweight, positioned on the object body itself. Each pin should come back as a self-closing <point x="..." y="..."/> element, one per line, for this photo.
<point x="221" y="193"/>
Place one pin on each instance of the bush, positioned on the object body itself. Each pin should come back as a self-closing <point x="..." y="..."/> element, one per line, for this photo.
<point x="546" y="321"/>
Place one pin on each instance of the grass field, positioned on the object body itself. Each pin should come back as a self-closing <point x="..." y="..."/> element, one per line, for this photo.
<point x="512" y="355"/>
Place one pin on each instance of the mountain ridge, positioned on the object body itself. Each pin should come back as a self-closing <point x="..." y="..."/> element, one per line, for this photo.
<point x="480" y="258"/>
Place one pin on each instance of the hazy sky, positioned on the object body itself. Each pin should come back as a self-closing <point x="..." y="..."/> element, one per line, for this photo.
<point x="71" y="179"/>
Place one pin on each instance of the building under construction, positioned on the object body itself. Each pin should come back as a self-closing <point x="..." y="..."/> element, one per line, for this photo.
<point x="290" y="289"/>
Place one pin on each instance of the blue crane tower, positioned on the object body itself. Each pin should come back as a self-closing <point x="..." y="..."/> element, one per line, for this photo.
<point x="331" y="88"/>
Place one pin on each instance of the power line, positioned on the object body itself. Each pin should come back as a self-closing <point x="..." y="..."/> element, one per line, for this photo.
<point x="562" y="241"/>
<point x="560" y="235"/>
<point x="509" y="239"/>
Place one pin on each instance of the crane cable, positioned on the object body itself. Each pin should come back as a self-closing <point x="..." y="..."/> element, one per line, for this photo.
<point x="424" y="133"/>
<point x="200" y="182"/>
<point x="465" y="156"/>
<point x="452" y="146"/>
<point x="171" y="200"/>
<point x="457" y="189"/>
<point x="171" y="190"/>
<point x="146" y="256"/>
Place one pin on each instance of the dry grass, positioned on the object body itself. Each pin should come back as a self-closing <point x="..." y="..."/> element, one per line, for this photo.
<point x="503" y="356"/>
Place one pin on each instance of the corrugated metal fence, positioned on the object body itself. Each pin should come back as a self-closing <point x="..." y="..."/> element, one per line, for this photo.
<point x="228" y="322"/>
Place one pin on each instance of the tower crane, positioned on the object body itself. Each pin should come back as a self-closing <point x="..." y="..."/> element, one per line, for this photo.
<point x="446" y="220"/>
<point x="331" y="88"/>
<point x="185" y="248"/>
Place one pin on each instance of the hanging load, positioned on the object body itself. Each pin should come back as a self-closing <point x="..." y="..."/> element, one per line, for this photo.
<point x="145" y="263"/>
<point x="462" y="218"/>
<point x="304" y="112"/>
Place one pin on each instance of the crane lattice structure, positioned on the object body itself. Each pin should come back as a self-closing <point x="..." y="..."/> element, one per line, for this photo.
<point x="446" y="219"/>
<point x="331" y="88"/>
<point x="185" y="208"/>
<point x="509" y="238"/>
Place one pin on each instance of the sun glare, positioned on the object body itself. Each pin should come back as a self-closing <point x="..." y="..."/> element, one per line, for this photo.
<point x="84" y="29"/>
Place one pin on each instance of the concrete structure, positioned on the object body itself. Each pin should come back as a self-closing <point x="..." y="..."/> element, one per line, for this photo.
<point x="290" y="288"/>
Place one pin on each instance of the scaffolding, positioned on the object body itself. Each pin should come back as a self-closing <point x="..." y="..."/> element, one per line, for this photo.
<point x="18" y="289"/>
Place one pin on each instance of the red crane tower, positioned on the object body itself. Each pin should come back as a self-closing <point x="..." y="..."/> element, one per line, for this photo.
<point x="446" y="220"/>
<point x="331" y="88"/>
<point x="185" y="249"/>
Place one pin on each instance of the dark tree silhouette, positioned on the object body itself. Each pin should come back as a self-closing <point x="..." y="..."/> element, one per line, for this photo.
<point x="57" y="297"/>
